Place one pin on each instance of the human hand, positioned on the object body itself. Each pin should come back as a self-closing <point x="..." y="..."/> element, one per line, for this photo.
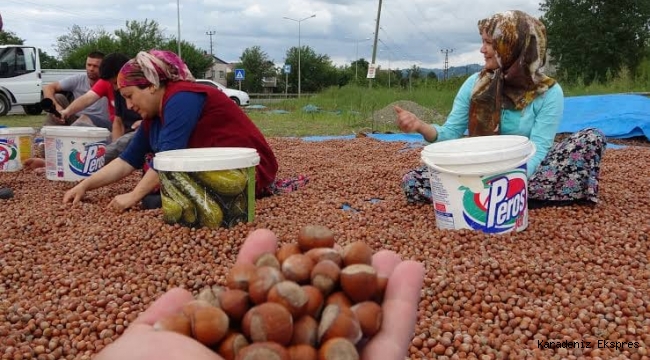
<point x="407" y="121"/>
<point x="75" y="194"/>
<point x="34" y="163"/>
<point x="401" y="297"/>
<point x="400" y="304"/>
<point x="136" y="125"/>
<point x="123" y="201"/>
<point x="142" y="341"/>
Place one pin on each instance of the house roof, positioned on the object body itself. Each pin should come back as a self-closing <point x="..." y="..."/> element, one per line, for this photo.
<point x="217" y="59"/>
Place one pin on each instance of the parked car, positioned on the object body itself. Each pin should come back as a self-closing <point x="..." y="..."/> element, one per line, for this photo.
<point x="241" y="98"/>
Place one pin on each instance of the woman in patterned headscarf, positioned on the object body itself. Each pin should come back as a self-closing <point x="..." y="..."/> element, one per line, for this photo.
<point x="512" y="96"/>
<point x="177" y="113"/>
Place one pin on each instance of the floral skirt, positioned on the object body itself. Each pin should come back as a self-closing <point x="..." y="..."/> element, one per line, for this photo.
<point x="569" y="172"/>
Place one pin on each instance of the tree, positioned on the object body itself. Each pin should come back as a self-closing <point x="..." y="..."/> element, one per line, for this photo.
<point x="10" y="38"/>
<point x="192" y="56"/>
<point x="588" y="38"/>
<point x="257" y="65"/>
<point x="76" y="38"/>
<point x="317" y="70"/>
<point x="135" y="37"/>
<point x="140" y="36"/>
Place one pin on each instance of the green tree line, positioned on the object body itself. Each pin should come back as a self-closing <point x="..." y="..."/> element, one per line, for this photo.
<point x="589" y="41"/>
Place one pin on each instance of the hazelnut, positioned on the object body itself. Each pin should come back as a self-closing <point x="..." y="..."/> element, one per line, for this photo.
<point x="263" y="351"/>
<point x="325" y="276"/>
<point x="359" y="282"/>
<point x="297" y="268"/>
<point x="209" y="324"/>
<point x="337" y="321"/>
<point x="209" y="295"/>
<point x="369" y="314"/>
<point x="287" y="250"/>
<point x="302" y="352"/>
<point x="234" y="302"/>
<point x="320" y="254"/>
<point x="268" y="259"/>
<point x="178" y="323"/>
<point x="382" y="282"/>
<point x="357" y="252"/>
<point x="268" y="322"/>
<point x="263" y="280"/>
<point x="239" y="276"/>
<point x="291" y="296"/>
<point x="305" y="331"/>
<point x="231" y="345"/>
<point x="315" y="301"/>
<point x="315" y="236"/>
<point x="338" y="349"/>
<point x="338" y="298"/>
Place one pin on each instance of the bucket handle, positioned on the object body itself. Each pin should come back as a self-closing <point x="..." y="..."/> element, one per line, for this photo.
<point x="442" y="169"/>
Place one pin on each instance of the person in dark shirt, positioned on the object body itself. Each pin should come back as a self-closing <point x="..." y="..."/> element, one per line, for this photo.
<point x="177" y="113"/>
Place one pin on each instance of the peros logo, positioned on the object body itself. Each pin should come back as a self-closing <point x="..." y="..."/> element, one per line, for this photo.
<point x="500" y="206"/>
<point x="89" y="160"/>
<point x="8" y="151"/>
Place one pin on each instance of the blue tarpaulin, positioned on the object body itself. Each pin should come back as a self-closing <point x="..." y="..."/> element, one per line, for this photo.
<point x="617" y="116"/>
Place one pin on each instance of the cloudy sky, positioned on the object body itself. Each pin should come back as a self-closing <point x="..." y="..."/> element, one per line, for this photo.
<point x="411" y="31"/>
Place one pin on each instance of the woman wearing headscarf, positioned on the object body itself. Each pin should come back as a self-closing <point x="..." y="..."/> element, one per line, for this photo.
<point x="511" y="96"/>
<point x="177" y="113"/>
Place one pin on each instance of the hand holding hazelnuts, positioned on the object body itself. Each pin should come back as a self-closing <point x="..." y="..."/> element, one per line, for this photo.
<point x="308" y="317"/>
<point x="307" y="300"/>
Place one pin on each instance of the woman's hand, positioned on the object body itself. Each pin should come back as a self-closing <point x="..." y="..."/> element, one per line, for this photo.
<point x="123" y="201"/>
<point x="75" y="194"/>
<point x="407" y="121"/>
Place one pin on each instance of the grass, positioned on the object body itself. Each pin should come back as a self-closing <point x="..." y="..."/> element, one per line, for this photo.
<point x="352" y="109"/>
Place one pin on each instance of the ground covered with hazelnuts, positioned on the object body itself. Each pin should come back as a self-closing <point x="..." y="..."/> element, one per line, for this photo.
<point x="575" y="284"/>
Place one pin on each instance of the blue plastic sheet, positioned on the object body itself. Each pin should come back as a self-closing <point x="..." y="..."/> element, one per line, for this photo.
<point x="617" y="116"/>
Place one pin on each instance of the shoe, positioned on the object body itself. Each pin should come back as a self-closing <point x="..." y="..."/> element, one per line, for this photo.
<point x="6" y="193"/>
<point x="152" y="201"/>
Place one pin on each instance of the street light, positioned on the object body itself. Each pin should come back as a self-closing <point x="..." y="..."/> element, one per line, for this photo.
<point x="299" y="21"/>
<point x="356" y="61"/>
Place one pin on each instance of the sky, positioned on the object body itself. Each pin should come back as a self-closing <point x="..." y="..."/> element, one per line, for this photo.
<point x="412" y="32"/>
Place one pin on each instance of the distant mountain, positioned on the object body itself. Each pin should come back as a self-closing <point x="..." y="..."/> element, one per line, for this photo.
<point x="453" y="70"/>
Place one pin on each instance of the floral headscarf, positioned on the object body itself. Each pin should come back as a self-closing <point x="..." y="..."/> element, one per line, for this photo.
<point x="519" y="41"/>
<point x="153" y="68"/>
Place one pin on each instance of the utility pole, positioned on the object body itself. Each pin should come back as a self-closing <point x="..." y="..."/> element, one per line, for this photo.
<point x="446" y="52"/>
<point x="210" y="33"/>
<point x="178" y="20"/>
<point x="374" y="47"/>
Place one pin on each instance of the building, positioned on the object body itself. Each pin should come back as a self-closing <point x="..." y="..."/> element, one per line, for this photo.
<point x="218" y="71"/>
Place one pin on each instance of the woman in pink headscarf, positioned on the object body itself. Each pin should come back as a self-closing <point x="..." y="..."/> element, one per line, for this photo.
<point x="512" y="96"/>
<point x="177" y="113"/>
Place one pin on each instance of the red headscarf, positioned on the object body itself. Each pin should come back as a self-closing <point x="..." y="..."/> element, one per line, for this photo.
<point x="153" y="68"/>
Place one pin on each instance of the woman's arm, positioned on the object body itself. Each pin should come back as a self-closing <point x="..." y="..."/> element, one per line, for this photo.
<point x="547" y="121"/>
<point x="181" y="114"/>
<point x="81" y="103"/>
<point x="118" y="128"/>
<point x="108" y="174"/>
<point x="456" y="123"/>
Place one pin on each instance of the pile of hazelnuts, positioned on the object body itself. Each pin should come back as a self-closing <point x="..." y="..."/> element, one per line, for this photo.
<point x="307" y="301"/>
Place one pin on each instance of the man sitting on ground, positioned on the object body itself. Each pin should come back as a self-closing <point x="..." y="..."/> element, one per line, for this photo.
<point x="95" y="115"/>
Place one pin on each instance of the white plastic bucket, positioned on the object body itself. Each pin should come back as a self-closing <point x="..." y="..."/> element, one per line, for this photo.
<point x="16" y="145"/>
<point x="73" y="153"/>
<point x="480" y="183"/>
<point x="207" y="187"/>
